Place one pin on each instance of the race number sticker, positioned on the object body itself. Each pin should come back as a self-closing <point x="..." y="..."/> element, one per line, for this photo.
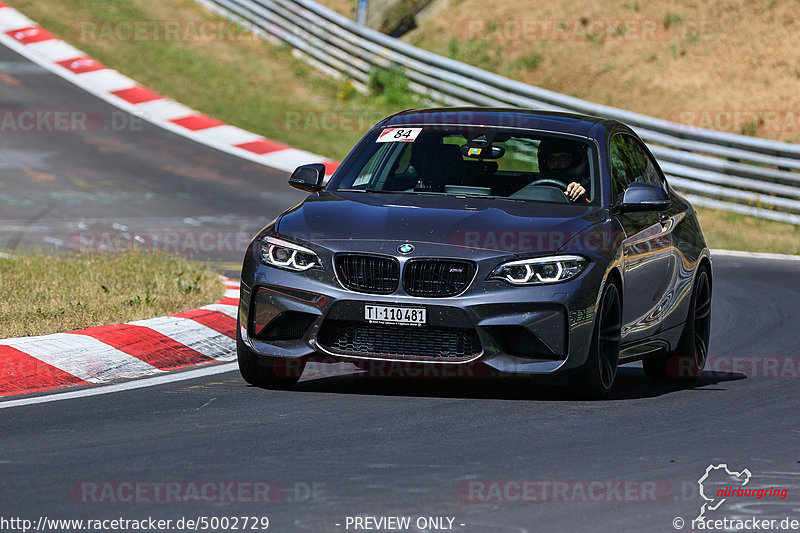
<point x="399" y="135"/>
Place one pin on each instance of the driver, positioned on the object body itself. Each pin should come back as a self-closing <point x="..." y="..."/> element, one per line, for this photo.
<point x="566" y="162"/>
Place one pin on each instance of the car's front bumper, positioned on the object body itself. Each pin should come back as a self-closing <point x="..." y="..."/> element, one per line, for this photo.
<point x="557" y="320"/>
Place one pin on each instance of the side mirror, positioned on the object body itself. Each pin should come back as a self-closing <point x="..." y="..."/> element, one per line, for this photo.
<point x="643" y="197"/>
<point x="308" y="177"/>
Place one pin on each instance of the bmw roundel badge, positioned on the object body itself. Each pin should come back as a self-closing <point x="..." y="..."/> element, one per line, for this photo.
<point x="405" y="248"/>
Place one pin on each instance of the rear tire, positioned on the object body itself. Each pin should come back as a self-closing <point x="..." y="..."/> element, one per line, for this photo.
<point x="596" y="377"/>
<point x="687" y="361"/>
<point x="266" y="372"/>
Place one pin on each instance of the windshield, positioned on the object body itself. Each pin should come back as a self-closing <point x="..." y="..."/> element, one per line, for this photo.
<point x="472" y="161"/>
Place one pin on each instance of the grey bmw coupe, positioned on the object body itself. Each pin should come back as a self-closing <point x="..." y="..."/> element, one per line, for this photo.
<point x="516" y="241"/>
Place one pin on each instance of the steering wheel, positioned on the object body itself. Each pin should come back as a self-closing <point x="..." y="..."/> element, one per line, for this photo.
<point x="552" y="182"/>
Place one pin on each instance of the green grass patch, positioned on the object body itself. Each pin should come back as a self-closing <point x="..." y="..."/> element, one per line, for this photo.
<point x="671" y="19"/>
<point x="47" y="294"/>
<point x="733" y="231"/>
<point x="391" y="88"/>
<point x="481" y="54"/>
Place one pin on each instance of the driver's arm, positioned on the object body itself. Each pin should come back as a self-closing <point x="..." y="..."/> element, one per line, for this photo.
<point x="574" y="191"/>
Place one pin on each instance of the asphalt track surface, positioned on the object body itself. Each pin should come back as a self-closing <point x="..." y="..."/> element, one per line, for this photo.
<point x="107" y="177"/>
<point x="346" y="446"/>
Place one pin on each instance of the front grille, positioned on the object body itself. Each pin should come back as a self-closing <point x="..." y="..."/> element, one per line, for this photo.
<point x="437" y="278"/>
<point x="368" y="273"/>
<point x="429" y="343"/>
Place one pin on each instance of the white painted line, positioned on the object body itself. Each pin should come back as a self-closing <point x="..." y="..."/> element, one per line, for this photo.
<point x="755" y="255"/>
<point x="82" y="356"/>
<point x="290" y="159"/>
<point x="56" y="50"/>
<point x="226" y="134"/>
<point x="11" y="19"/>
<point x="230" y="310"/>
<point x="108" y="80"/>
<point x="231" y="293"/>
<point x="120" y="387"/>
<point x="196" y="336"/>
<point x="164" y="109"/>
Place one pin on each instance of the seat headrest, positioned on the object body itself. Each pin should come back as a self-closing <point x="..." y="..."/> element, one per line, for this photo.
<point x="442" y="165"/>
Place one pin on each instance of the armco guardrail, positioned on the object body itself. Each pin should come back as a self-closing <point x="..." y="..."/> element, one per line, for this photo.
<point x="722" y="170"/>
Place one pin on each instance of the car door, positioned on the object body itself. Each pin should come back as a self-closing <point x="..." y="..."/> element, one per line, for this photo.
<point x="649" y="261"/>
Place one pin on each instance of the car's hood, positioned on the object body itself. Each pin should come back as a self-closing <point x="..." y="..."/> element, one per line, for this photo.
<point x="351" y="220"/>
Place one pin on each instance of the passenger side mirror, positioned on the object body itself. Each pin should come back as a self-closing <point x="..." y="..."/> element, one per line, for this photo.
<point x="643" y="197"/>
<point x="308" y="177"/>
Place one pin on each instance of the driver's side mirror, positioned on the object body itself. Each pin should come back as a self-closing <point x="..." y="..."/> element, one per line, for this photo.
<point x="643" y="197"/>
<point x="308" y="177"/>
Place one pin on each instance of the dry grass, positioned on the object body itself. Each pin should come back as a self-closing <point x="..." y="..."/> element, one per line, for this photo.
<point x="727" y="65"/>
<point x="737" y="232"/>
<point x="345" y="7"/>
<point x="45" y="294"/>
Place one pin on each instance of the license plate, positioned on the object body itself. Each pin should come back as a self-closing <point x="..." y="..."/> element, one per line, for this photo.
<point x="404" y="316"/>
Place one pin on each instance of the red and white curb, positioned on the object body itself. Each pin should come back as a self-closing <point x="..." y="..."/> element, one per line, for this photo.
<point x="38" y="45"/>
<point x="104" y="353"/>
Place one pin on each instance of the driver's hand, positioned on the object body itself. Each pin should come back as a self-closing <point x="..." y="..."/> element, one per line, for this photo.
<point x="575" y="191"/>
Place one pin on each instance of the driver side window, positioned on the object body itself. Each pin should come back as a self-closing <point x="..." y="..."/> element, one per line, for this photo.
<point x="646" y="171"/>
<point x="622" y="166"/>
<point x="630" y="162"/>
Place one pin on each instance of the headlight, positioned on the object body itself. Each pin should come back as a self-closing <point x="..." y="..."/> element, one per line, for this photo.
<point x="540" y="270"/>
<point x="284" y="254"/>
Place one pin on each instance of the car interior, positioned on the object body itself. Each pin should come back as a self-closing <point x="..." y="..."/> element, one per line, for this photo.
<point x="496" y="164"/>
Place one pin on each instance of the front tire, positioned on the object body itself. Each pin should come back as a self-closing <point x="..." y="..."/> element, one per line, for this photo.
<point x="596" y="377"/>
<point x="267" y="373"/>
<point x="686" y="363"/>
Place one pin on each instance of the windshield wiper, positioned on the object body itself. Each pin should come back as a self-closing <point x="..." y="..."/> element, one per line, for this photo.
<point x="369" y="190"/>
<point x="460" y="195"/>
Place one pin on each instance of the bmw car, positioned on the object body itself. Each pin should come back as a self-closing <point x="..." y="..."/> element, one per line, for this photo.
<point x="522" y="242"/>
